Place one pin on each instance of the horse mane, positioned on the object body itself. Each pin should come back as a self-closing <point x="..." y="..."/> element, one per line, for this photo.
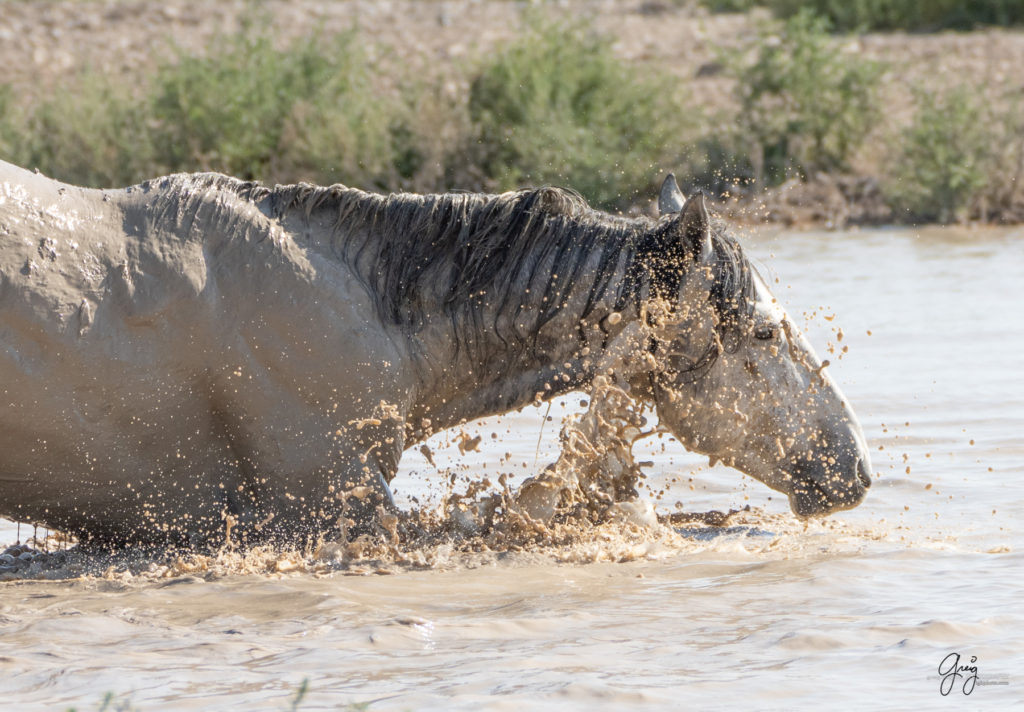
<point x="474" y="250"/>
<point x="471" y="250"/>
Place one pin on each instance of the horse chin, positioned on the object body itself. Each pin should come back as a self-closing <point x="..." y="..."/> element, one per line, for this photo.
<point x="815" y="493"/>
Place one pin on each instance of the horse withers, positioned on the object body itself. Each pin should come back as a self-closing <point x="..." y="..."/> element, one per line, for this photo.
<point x="196" y="352"/>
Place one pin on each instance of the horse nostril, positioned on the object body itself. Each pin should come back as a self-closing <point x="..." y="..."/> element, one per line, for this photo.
<point x="863" y="475"/>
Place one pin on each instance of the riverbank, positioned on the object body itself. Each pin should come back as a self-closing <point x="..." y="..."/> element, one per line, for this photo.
<point x="84" y="83"/>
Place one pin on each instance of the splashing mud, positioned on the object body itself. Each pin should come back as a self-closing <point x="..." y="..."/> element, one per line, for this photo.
<point x="583" y="508"/>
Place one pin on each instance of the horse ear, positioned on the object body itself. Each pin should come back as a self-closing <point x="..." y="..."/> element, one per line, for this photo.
<point x="694" y="226"/>
<point x="670" y="199"/>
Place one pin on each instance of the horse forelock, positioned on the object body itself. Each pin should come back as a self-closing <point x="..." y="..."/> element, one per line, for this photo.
<point x="732" y="290"/>
<point x="666" y="265"/>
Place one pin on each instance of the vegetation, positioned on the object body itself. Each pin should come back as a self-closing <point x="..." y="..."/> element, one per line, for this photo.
<point x="251" y="110"/>
<point x="950" y="162"/>
<point x="731" y="5"/>
<point x="909" y="15"/>
<point x="557" y="106"/>
<point x="246" y="109"/>
<point x="805" y="105"/>
<point x="104" y="144"/>
<point x="913" y="15"/>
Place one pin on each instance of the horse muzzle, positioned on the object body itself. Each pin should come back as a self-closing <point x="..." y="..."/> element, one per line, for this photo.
<point x="825" y="485"/>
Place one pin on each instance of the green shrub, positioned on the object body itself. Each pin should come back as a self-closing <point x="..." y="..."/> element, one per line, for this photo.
<point x="926" y="15"/>
<point x="805" y="105"/>
<point x="8" y="123"/>
<point x="718" y="162"/>
<point x="254" y="111"/>
<point x="1008" y="182"/>
<point x="306" y="112"/>
<point x="93" y="133"/>
<point x="433" y="153"/>
<point x="730" y="5"/>
<point x="557" y="106"/>
<point x="909" y="15"/>
<point x="946" y="160"/>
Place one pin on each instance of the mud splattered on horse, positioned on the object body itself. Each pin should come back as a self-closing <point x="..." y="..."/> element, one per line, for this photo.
<point x="197" y="355"/>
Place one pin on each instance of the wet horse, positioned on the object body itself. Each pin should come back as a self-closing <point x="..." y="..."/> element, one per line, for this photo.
<point x="197" y="350"/>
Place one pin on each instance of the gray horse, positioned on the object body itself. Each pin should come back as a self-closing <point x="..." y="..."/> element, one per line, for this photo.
<point x="196" y="350"/>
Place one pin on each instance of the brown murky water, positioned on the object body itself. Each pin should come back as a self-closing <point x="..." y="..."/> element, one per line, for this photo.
<point x="765" y="613"/>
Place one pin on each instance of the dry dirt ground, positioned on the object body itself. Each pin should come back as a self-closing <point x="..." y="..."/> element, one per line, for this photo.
<point x="43" y="43"/>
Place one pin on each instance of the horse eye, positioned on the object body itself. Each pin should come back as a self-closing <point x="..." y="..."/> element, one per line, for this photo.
<point x="765" y="332"/>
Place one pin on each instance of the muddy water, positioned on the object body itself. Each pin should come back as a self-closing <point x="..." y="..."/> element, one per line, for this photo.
<point x="766" y="613"/>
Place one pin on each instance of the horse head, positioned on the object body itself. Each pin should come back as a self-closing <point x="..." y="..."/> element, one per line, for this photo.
<point x="731" y="375"/>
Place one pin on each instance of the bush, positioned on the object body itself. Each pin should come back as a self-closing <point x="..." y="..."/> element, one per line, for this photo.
<point x="719" y="162"/>
<point x="8" y="122"/>
<point x="254" y="111"/>
<point x="805" y="105"/>
<point x="730" y="5"/>
<point x="93" y="134"/>
<point x="914" y="15"/>
<point x="307" y="112"/>
<point x="557" y="106"/>
<point x="910" y="15"/>
<point x="946" y="161"/>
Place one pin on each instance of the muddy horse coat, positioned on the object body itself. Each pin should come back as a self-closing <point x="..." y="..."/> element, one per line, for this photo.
<point x="197" y="350"/>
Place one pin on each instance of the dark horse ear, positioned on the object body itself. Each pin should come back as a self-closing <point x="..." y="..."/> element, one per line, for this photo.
<point x="693" y="228"/>
<point x="686" y="236"/>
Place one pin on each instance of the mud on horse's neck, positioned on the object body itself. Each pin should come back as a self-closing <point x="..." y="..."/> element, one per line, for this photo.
<point x="475" y="384"/>
<point x="534" y="331"/>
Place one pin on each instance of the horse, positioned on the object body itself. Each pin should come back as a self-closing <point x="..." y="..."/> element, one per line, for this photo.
<point x="198" y="353"/>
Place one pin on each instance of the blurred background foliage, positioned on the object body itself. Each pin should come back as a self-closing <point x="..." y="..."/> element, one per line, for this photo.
<point x="553" y="105"/>
<point x="908" y="15"/>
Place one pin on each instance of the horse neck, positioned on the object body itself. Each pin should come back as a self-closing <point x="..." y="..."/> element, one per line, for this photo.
<point x="493" y="374"/>
<point x="488" y="353"/>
